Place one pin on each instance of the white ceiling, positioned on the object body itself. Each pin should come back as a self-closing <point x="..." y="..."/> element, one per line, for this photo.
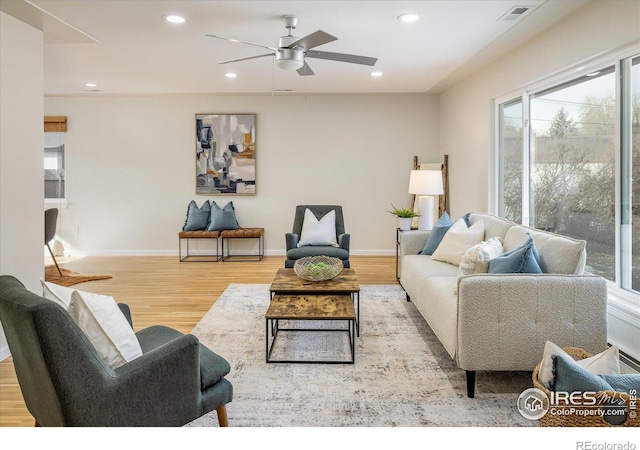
<point x="124" y="46"/>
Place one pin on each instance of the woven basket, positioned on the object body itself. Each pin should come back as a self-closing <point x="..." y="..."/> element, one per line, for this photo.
<point x="576" y="420"/>
<point x="318" y="268"/>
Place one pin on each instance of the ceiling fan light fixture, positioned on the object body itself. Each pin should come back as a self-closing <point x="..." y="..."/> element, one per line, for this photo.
<point x="408" y="17"/>
<point x="288" y="59"/>
<point x="173" y="18"/>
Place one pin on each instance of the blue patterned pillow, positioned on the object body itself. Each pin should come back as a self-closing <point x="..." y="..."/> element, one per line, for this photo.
<point x="523" y="259"/>
<point x="223" y="219"/>
<point x="570" y="377"/>
<point x="624" y="382"/>
<point x="437" y="233"/>
<point x="197" y="218"/>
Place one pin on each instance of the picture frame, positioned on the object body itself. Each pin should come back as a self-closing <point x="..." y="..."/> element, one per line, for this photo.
<point x="226" y="154"/>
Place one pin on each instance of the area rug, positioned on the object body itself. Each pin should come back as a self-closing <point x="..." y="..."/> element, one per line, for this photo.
<point x="69" y="277"/>
<point x="402" y="376"/>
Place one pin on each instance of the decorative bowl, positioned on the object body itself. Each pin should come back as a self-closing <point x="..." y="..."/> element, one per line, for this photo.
<point x="318" y="268"/>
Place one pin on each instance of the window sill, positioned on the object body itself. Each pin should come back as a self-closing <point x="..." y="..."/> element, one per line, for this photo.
<point x="56" y="202"/>
<point x="623" y="300"/>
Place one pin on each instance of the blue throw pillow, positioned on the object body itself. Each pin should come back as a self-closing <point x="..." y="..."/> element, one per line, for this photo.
<point x="467" y="218"/>
<point x="523" y="259"/>
<point x="570" y="377"/>
<point x="437" y="233"/>
<point x="197" y="218"/>
<point x="624" y="382"/>
<point x="223" y="219"/>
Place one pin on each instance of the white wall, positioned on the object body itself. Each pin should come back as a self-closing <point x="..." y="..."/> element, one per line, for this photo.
<point x="21" y="143"/>
<point x="131" y="165"/>
<point x="466" y="113"/>
<point x="466" y="110"/>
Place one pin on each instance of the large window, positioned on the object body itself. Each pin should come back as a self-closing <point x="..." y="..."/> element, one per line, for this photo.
<point x="569" y="162"/>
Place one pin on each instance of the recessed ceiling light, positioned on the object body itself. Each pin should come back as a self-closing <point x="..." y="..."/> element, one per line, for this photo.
<point x="593" y="74"/>
<point x="173" y="18"/>
<point x="230" y="75"/>
<point x="376" y="74"/>
<point x="408" y="17"/>
<point x="90" y="84"/>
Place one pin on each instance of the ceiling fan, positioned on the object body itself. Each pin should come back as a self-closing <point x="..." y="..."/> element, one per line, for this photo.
<point x="291" y="51"/>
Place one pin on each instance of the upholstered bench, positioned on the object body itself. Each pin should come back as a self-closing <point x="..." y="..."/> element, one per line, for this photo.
<point x="242" y="233"/>
<point x="198" y="234"/>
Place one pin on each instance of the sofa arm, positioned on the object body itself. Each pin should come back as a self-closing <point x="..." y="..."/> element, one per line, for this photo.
<point x="411" y="243"/>
<point x="504" y="320"/>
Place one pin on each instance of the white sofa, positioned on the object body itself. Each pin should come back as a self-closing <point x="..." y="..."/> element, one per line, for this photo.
<point x="500" y="322"/>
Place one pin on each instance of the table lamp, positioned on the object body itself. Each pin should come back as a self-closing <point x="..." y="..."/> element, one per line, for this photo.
<point x="424" y="184"/>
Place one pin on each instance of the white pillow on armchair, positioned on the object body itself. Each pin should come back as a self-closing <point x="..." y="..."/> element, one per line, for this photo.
<point x="318" y="232"/>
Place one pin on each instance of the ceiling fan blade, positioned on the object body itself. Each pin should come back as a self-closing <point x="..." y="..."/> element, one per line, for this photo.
<point x="314" y="40"/>
<point x="241" y="42"/>
<point x="342" y="57"/>
<point x="244" y="59"/>
<point x="305" y="70"/>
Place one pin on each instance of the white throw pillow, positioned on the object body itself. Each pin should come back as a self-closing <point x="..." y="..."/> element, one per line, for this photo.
<point x="457" y="240"/>
<point x="59" y="294"/>
<point x="318" y="232"/>
<point x="106" y="326"/>
<point x="476" y="259"/>
<point x="605" y="363"/>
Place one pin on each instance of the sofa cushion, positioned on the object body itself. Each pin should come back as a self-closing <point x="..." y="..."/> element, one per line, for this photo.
<point x="494" y="226"/>
<point x="558" y="254"/>
<point x="458" y="240"/>
<point x="439" y="307"/>
<point x="437" y="233"/>
<point x="417" y="268"/>
<point x="523" y="259"/>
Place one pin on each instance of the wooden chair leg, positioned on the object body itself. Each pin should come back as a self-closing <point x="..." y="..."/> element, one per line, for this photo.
<point x="223" y="421"/>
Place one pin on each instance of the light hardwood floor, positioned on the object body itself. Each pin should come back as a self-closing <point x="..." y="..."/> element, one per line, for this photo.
<point x="161" y="290"/>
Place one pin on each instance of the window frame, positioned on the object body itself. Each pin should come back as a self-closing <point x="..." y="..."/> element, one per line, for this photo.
<point x="624" y="301"/>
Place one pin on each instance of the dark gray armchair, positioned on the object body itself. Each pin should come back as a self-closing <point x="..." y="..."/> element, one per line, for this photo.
<point x="291" y="239"/>
<point x="65" y="383"/>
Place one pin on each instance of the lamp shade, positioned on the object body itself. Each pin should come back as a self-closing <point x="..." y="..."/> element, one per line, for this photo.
<point x="426" y="182"/>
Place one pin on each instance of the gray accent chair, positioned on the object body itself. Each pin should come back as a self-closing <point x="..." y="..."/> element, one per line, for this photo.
<point x="291" y="239"/>
<point x="65" y="383"/>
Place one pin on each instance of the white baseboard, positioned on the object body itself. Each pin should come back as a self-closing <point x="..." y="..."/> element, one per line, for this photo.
<point x="4" y="352"/>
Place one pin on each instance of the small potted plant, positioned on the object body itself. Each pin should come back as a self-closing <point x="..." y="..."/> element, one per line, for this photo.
<point x="405" y="216"/>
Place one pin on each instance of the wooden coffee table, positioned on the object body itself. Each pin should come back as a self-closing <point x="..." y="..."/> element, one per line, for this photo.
<point x="287" y="282"/>
<point x="310" y="307"/>
<point x="293" y="298"/>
